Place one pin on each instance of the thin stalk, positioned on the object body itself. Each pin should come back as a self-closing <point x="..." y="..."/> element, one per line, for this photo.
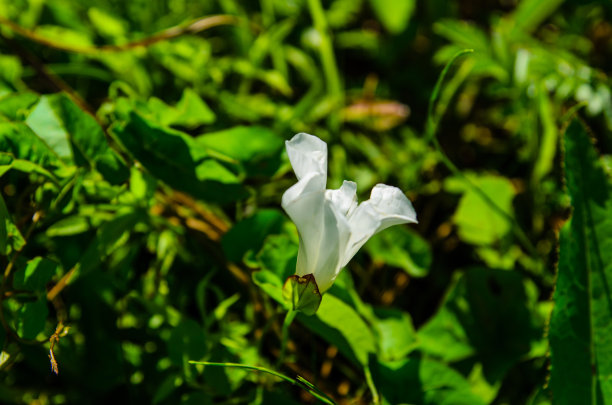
<point x="300" y="381"/>
<point x="371" y="386"/>
<point x="432" y="128"/>
<point x="289" y="317"/>
<point x="326" y="49"/>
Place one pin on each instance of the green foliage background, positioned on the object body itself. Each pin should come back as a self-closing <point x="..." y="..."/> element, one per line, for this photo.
<point x="141" y="168"/>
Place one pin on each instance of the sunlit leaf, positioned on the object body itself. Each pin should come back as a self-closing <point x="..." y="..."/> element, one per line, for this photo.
<point x="581" y="323"/>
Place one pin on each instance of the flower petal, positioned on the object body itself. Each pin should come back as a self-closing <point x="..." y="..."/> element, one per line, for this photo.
<point x="336" y="235"/>
<point x="393" y="206"/>
<point x="344" y="198"/>
<point x="323" y="230"/>
<point x="304" y="202"/>
<point x="307" y="154"/>
<point x="387" y="206"/>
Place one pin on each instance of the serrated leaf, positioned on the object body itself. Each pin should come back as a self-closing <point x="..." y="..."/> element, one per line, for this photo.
<point x="580" y="331"/>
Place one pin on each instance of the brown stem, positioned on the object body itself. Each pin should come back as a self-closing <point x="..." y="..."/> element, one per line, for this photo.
<point x="195" y="26"/>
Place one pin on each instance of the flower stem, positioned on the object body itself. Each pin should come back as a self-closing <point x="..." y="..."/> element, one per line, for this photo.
<point x="289" y="317"/>
<point x="371" y="386"/>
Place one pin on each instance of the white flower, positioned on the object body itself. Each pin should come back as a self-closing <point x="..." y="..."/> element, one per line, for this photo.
<point x="331" y="226"/>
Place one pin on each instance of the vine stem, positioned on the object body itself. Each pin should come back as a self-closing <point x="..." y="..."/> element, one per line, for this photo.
<point x="299" y="381"/>
<point x="194" y="26"/>
<point x="431" y="130"/>
<point x="289" y="317"/>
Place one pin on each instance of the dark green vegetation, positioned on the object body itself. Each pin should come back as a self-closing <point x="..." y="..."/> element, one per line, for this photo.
<point x="141" y="168"/>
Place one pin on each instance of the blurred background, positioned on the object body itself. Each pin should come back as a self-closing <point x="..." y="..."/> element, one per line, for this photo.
<point x="142" y="165"/>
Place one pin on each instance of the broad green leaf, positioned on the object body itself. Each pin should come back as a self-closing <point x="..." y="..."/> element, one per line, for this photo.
<point x="36" y="274"/>
<point x="18" y="140"/>
<point x="271" y="284"/>
<point x="177" y="160"/>
<point x="249" y="234"/>
<point x="398" y="246"/>
<point x="75" y="136"/>
<point x="393" y="14"/>
<point x="279" y="255"/>
<point x="10" y="237"/>
<point x="189" y="112"/>
<point x="340" y="325"/>
<point x="32" y="318"/>
<point x="395" y="334"/>
<point x="477" y="222"/>
<point x="422" y="381"/>
<point x="580" y="331"/>
<point x="15" y="106"/>
<point x="257" y="148"/>
<point x="487" y="315"/>
<point x="47" y="125"/>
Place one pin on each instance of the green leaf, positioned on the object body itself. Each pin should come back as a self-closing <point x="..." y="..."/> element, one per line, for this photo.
<point x="36" y="274"/>
<point x="189" y="112"/>
<point x="303" y="293"/>
<point x="487" y="315"/>
<point x="580" y="331"/>
<point x="271" y="284"/>
<point x="10" y="237"/>
<point x="422" y="381"/>
<point x="257" y="148"/>
<point x="75" y="136"/>
<point x="8" y="162"/>
<point x="393" y="14"/>
<point x="32" y="318"/>
<point x="187" y="342"/>
<point x="279" y="255"/>
<point x="47" y="125"/>
<point x="21" y="142"/>
<point x="177" y="160"/>
<point x="340" y="325"/>
<point x="477" y="222"/>
<point x="395" y="334"/>
<point x="15" y="106"/>
<point x="400" y="247"/>
<point x="249" y="234"/>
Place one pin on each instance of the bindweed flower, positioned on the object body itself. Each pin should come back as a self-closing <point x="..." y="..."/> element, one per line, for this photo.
<point x="331" y="225"/>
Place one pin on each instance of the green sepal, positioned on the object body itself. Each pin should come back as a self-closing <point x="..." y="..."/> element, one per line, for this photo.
<point x="303" y="293"/>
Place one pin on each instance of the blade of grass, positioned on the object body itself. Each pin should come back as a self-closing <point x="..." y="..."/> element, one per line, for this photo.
<point x="300" y="381"/>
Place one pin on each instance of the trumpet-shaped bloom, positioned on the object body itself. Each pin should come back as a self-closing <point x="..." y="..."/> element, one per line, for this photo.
<point x="332" y="226"/>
